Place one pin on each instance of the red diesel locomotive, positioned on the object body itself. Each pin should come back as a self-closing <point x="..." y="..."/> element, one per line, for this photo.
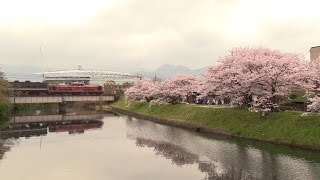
<point x="76" y="127"/>
<point x="75" y="89"/>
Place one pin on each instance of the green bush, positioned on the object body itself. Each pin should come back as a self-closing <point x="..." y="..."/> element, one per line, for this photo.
<point x="4" y="112"/>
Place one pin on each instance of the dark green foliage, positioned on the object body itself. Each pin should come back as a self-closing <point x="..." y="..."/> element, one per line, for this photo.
<point x="30" y="109"/>
<point x="4" y="101"/>
<point x="4" y="113"/>
<point x="300" y="99"/>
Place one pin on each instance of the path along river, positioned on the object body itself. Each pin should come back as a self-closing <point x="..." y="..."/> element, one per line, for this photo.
<point x="121" y="147"/>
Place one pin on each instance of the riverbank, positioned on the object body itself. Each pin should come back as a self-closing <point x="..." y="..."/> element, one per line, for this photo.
<point x="4" y="114"/>
<point x="287" y="128"/>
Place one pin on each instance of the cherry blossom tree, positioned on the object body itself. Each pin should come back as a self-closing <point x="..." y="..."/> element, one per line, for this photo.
<point x="315" y="104"/>
<point x="176" y="88"/>
<point x="263" y="74"/>
<point x="143" y="89"/>
<point x="173" y="90"/>
<point x="314" y="73"/>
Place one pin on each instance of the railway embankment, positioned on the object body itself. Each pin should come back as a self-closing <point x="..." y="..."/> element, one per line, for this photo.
<point x="286" y="128"/>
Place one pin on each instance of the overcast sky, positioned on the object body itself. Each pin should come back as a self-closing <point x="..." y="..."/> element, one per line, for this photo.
<point x="126" y="35"/>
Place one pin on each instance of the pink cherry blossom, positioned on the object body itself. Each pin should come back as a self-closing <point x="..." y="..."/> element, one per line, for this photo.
<point x="246" y="73"/>
<point x="173" y="90"/>
<point x="246" y="76"/>
<point x="176" y="88"/>
<point x="143" y="89"/>
<point x="314" y="75"/>
<point x="315" y="104"/>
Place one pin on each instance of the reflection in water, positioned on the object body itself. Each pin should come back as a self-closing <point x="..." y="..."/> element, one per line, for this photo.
<point x="178" y="155"/>
<point x="5" y="146"/>
<point x="181" y="156"/>
<point x="219" y="159"/>
<point x="76" y="127"/>
<point x="30" y="126"/>
<point x="24" y="130"/>
<point x="46" y="109"/>
<point x="119" y="140"/>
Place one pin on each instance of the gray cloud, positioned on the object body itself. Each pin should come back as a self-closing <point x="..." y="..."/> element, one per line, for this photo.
<point x="144" y="34"/>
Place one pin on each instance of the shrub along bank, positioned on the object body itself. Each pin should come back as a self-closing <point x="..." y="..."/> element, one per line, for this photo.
<point x="4" y="101"/>
<point x="4" y="113"/>
<point x="282" y="127"/>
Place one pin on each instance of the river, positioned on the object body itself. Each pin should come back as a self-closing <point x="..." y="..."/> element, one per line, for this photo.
<point x="110" y="146"/>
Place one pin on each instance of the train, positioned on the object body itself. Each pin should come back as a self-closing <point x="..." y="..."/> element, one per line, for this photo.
<point x="76" y="127"/>
<point x="18" y="130"/>
<point x="28" y="88"/>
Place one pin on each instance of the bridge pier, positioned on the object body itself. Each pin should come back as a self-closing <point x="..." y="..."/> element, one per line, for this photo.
<point x="100" y="106"/>
<point x="62" y="108"/>
<point x="14" y="108"/>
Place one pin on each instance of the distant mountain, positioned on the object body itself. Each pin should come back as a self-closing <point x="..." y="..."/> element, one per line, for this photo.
<point x="21" y="73"/>
<point x="167" y="70"/>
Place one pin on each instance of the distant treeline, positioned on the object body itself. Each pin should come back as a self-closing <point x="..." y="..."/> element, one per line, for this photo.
<point x="4" y="101"/>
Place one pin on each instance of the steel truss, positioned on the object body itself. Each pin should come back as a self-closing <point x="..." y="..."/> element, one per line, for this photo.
<point x="94" y="75"/>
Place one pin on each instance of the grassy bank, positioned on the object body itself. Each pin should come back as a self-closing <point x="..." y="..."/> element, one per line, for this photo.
<point x="284" y="127"/>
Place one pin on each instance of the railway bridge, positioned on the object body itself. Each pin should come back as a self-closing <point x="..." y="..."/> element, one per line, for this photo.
<point x="39" y="125"/>
<point x="54" y="118"/>
<point x="68" y="86"/>
<point x="60" y="99"/>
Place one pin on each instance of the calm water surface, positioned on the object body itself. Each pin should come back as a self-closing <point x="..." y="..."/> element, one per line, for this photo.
<point x="121" y="147"/>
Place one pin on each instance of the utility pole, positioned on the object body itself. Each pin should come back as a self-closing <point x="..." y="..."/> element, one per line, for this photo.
<point x="42" y="64"/>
